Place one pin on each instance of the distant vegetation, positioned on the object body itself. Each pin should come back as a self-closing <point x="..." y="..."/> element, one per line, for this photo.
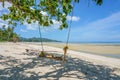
<point x="34" y="39"/>
<point x="7" y="34"/>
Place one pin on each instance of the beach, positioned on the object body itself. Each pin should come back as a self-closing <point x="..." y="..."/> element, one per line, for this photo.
<point x="103" y="49"/>
<point x="17" y="64"/>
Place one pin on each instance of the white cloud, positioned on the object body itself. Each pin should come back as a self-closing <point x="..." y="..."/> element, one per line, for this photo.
<point x="101" y="24"/>
<point x="31" y="8"/>
<point x="56" y="24"/>
<point x="35" y="26"/>
<point x="102" y="28"/>
<point x="32" y="26"/>
<point x="110" y="21"/>
<point x="4" y="10"/>
<point x="2" y="22"/>
<point x="7" y="4"/>
<point x="22" y="30"/>
<point x="74" y="18"/>
<point x="44" y="13"/>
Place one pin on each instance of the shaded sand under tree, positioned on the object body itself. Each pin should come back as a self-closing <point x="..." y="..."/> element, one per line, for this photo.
<point x="16" y="64"/>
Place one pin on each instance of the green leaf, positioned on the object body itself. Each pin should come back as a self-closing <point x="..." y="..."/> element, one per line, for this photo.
<point x="29" y="21"/>
<point x="51" y="22"/>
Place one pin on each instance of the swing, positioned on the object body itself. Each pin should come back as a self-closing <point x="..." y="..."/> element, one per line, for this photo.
<point x="51" y="54"/>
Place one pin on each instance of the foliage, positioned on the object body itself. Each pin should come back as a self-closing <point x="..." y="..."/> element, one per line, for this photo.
<point x="30" y="11"/>
<point x="7" y="34"/>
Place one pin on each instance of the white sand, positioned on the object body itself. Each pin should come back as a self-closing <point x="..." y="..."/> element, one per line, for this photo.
<point x="16" y="64"/>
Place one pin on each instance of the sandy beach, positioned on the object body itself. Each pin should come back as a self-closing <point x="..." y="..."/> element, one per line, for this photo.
<point x="17" y="64"/>
<point x="110" y="48"/>
<point x="104" y="49"/>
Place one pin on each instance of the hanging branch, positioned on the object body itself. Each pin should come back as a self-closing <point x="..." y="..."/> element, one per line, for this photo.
<point x="21" y="11"/>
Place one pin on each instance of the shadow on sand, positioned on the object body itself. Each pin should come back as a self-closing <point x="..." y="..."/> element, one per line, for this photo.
<point x="73" y="69"/>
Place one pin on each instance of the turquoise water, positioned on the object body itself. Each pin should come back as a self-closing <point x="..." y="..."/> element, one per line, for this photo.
<point x="106" y="55"/>
<point x="112" y="55"/>
<point x="97" y="43"/>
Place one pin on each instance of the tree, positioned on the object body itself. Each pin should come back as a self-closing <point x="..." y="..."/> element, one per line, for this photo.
<point x="7" y="34"/>
<point x="30" y="11"/>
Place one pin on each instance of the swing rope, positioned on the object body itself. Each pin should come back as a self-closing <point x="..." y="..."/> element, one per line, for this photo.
<point x="68" y="36"/>
<point x="40" y="34"/>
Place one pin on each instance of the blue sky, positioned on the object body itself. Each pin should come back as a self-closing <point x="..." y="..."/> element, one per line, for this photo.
<point x="90" y="24"/>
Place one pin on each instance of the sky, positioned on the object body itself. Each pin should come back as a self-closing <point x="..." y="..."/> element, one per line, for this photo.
<point x="90" y="23"/>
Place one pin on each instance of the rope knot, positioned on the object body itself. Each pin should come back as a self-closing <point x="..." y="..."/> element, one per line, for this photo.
<point x="65" y="49"/>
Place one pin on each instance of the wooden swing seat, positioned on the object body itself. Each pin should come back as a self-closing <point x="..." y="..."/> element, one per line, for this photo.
<point x="52" y="55"/>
